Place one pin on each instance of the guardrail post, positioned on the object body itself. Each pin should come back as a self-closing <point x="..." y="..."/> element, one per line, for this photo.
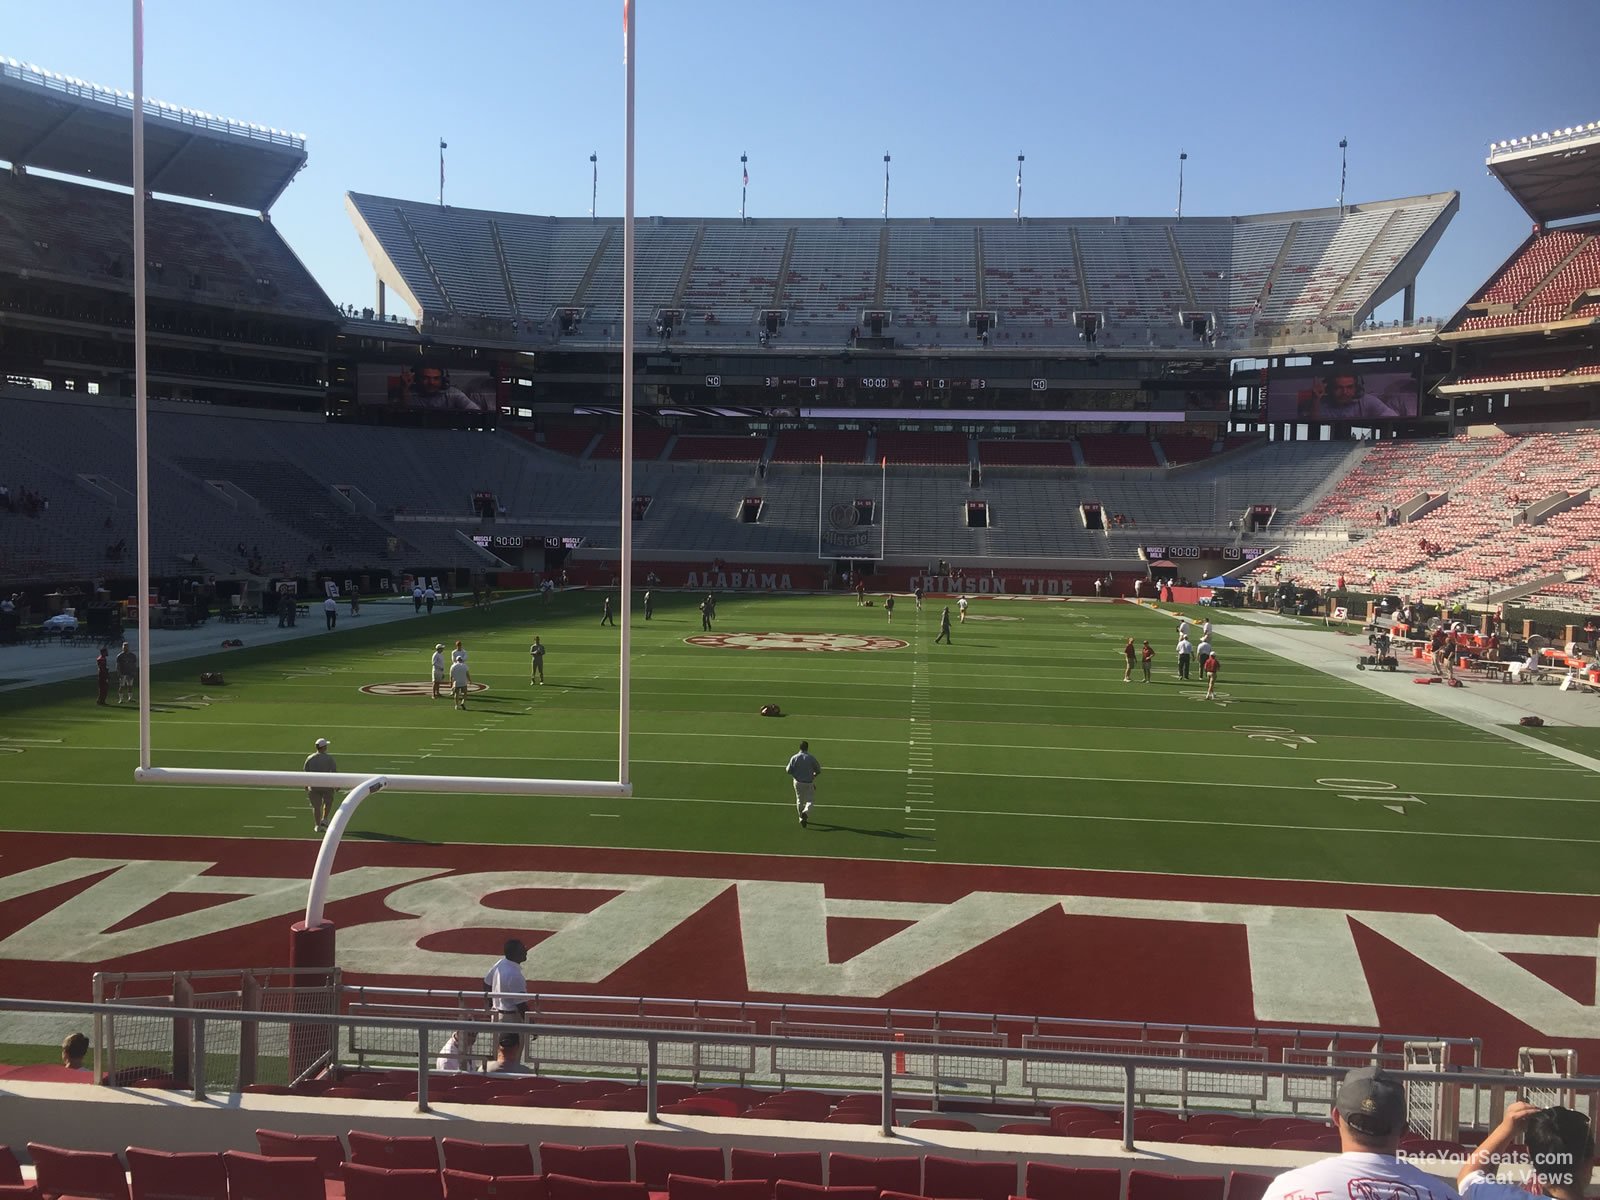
<point x="422" y="1069"/>
<point x="1127" y="1107"/>
<point x="197" y="1070"/>
<point x="652" y="1061"/>
<point x="887" y="1128"/>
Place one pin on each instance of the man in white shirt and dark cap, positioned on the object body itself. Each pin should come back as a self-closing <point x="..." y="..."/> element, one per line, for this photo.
<point x="506" y="986"/>
<point x="1370" y="1115"/>
<point x="438" y="669"/>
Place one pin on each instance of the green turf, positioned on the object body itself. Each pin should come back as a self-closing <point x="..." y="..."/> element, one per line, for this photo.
<point x="1037" y="753"/>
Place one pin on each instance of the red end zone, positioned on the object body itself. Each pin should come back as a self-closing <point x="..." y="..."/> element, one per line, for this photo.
<point x="1511" y="969"/>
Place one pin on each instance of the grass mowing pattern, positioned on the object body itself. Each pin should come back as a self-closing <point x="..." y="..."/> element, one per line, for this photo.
<point x="1017" y="745"/>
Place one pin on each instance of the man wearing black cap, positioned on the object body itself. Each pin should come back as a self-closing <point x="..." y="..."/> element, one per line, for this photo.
<point x="507" y="986"/>
<point x="1370" y="1114"/>
<point x="1560" y="1146"/>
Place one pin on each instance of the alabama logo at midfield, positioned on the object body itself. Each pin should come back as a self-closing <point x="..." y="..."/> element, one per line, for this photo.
<point x="415" y="689"/>
<point x="858" y="642"/>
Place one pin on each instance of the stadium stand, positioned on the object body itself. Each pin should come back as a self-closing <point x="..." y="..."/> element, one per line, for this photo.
<point x="66" y="231"/>
<point x="1539" y="284"/>
<point x="1254" y="277"/>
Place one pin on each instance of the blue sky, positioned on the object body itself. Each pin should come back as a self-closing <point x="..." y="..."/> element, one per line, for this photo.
<point x="1100" y="97"/>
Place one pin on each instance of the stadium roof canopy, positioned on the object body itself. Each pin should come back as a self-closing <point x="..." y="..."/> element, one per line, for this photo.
<point x="1553" y="175"/>
<point x="58" y="123"/>
<point x="1123" y="285"/>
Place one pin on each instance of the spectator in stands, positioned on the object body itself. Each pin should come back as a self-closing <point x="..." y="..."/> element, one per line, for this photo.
<point x="508" y="1056"/>
<point x="433" y="390"/>
<point x="1370" y="1115"/>
<point x="1560" y="1146"/>
<point x="74" y="1048"/>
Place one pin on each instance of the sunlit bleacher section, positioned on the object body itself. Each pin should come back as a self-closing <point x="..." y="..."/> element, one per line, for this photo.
<point x="1469" y="520"/>
<point x="1551" y="278"/>
<point x="1248" y="280"/>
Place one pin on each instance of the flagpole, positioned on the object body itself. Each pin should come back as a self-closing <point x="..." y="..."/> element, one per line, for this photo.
<point x="883" y="509"/>
<point x="1020" y="157"/>
<point x="744" y="187"/>
<point x="594" y="184"/>
<point x="443" y="146"/>
<point x="141" y="390"/>
<point x="625" y="601"/>
<point x="885" y="187"/>
<point x="1182" y="158"/>
<point x="819" y="506"/>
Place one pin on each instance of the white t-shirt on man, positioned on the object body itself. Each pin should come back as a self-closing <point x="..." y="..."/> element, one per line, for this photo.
<point x="505" y="976"/>
<point x="1364" y="1176"/>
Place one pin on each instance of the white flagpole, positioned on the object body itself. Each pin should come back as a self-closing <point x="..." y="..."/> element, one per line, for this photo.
<point x="625" y="601"/>
<point x="819" y="506"/>
<point x="141" y="401"/>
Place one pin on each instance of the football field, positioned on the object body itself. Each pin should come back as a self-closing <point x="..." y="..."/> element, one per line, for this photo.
<point x="1002" y="823"/>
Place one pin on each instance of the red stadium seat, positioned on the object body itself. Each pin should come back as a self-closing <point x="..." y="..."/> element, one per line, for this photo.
<point x="1155" y="1185"/>
<point x="396" y="1153"/>
<point x="165" y="1175"/>
<point x="468" y="1185"/>
<point x="10" y="1169"/>
<point x="266" y="1177"/>
<point x="565" y="1187"/>
<point x="488" y="1158"/>
<point x="687" y="1187"/>
<point x="701" y="1106"/>
<point x="324" y="1148"/>
<point x="1245" y="1185"/>
<point x="588" y="1162"/>
<point x="1052" y="1181"/>
<point x="85" y="1174"/>
<point x="796" y="1166"/>
<point x="957" y="1177"/>
<point x="898" y="1174"/>
<point x="949" y="1123"/>
<point x="379" y="1183"/>
<point x="654" y="1163"/>
<point x="789" y="1189"/>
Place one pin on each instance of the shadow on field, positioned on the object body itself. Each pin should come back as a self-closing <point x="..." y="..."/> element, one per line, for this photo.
<point x="895" y="834"/>
<point x="372" y="835"/>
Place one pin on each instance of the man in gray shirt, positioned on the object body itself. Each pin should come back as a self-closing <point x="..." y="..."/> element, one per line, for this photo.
<point x="321" y="797"/>
<point x="803" y="768"/>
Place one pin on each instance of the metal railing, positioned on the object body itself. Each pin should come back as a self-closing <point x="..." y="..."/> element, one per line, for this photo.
<point x="1436" y="1089"/>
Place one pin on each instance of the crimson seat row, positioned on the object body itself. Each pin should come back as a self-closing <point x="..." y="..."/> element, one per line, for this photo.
<point x="313" y="1167"/>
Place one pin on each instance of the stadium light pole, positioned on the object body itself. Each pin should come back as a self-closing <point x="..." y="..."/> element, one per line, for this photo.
<point x="885" y="187"/>
<point x="594" y="183"/>
<point x="744" y="186"/>
<point x="141" y="391"/>
<point x="1183" y="157"/>
<point x="1020" y="158"/>
<point x="1344" y="162"/>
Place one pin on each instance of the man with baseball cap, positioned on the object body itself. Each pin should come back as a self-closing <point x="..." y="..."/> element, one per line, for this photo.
<point x="438" y="668"/>
<point x="321" y="797"/>
<point x="506" y="986"/>
<point x="1370" y="1115"/>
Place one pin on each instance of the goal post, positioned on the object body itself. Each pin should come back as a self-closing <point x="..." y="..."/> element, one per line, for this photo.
<point x="852" y="524"/>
